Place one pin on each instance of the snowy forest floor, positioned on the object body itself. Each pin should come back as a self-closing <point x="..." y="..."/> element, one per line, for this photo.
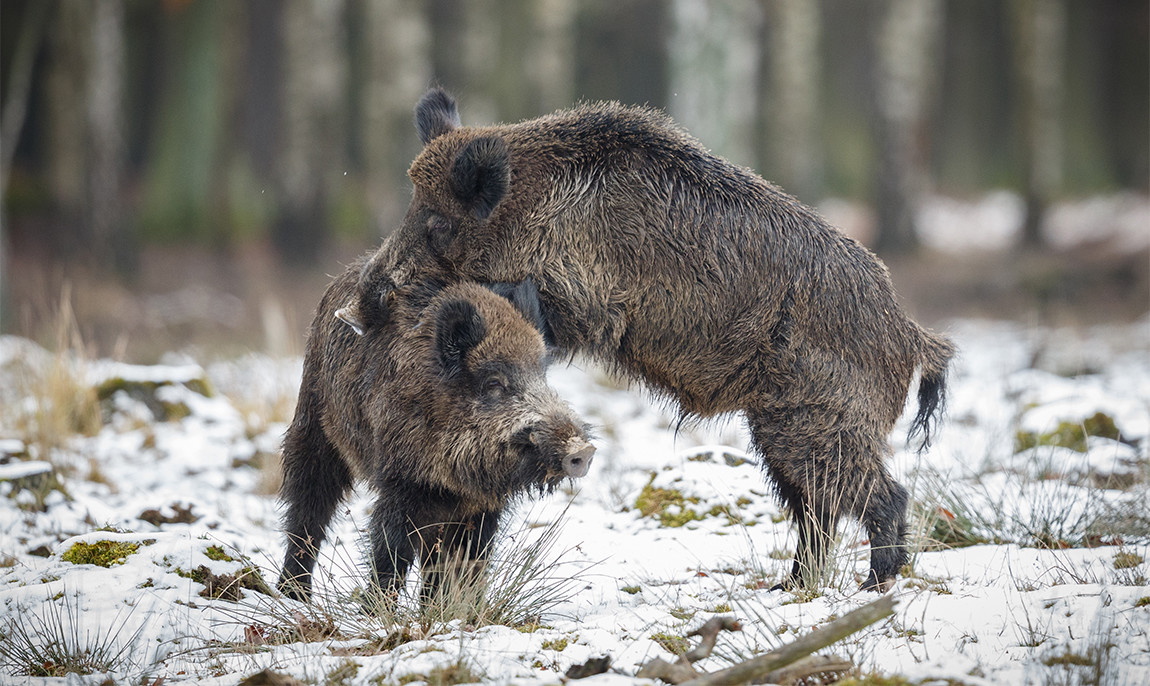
<point x="138" y="526"/>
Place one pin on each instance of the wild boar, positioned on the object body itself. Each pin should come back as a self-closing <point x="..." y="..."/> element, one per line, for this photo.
<point x="443" y="409"/>
<point x="710" y="285"/>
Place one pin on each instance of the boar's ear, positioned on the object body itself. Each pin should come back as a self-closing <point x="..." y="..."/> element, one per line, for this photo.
<point x="480" y="174"/>
<point x="458" y="329"/>
<point x="525" y="297"/>
<point x="349" y="314"/>
<point x="435" y="115"/>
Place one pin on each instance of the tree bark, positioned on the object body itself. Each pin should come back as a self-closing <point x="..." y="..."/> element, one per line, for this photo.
<point x="713" y="60"/>
<point x="832" y="632"/>
<point x="1040" y="31"/>
<point x="312" y="147"/>
<point x="907" y="40"/>
<point x="106" y="147"/>
<point x="399" y="70"/>
<point x="793" y="98"/>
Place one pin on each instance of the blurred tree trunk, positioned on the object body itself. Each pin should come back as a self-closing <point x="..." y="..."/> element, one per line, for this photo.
<point x="18" y="83"/>
<point x="87" y="150"/>
<point x="399" y="70"/>
<point x="793" y="99"/>
<point x="713" y="56"/>
<point x="314" y="125"/>
<point x="1040" y="29"/>
<point x="549" y="60"/>
<point x="106" y="147"/>
<point x="181" y="179"/>
<point x="909" y="34"/>
<point x="17" y="86"/>
<point x="67" y="64"/>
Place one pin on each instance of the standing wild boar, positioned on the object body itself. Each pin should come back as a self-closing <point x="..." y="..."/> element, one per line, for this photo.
<point x="697" y="277"/>
<point x="444" y="409"/>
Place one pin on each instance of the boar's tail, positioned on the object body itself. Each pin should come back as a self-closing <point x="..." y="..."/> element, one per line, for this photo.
<point x="936" y="352"/>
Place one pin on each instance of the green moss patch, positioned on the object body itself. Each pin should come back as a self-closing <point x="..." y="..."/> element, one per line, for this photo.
<point x="101" y="553"/>
<point x="146" y="392"/>
<point x="1071" y="435"/>
<point x="676" y="645"/>
<point x="670" y="506"/>
<point x="215" y="552"/>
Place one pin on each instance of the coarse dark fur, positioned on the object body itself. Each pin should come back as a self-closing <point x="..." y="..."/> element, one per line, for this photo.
<point x="710" y="285"/>
<point x="443" y="409"/>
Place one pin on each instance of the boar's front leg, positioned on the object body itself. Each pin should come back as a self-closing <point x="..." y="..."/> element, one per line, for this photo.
<point x="315" y="480"/>
<point x="392" y="549"/>
<point x="455" y="554"/>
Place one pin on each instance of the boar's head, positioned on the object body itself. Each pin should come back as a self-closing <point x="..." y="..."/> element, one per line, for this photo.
<point x="501" y="428"/>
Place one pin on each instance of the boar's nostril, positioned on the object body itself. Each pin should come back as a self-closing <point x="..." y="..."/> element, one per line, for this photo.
<point x="578" y="461"/>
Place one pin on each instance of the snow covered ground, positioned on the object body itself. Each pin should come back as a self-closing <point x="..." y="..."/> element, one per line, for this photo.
<point x="1031" y="515"/>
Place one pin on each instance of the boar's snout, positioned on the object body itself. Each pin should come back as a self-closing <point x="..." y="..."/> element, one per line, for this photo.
<point x="578" y="458"/>
<point x="560" y="449"/>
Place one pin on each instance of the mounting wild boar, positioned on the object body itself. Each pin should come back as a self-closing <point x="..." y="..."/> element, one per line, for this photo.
<point x="443" y="409"/>
<point x="710" y="285"/>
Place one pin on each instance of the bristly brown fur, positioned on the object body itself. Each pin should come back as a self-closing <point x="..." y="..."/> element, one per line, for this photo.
<point x="443" y="409"/>
<point x="710" y="285"/>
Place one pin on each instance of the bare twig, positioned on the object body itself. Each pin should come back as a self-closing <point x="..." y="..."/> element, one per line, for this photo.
<point x="807" y="667"/>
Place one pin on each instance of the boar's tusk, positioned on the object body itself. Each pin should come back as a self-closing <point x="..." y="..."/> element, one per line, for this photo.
<point x="350" y="315"/>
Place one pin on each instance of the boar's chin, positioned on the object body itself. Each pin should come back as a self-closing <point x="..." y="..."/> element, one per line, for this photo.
<point x="537" y="473"/>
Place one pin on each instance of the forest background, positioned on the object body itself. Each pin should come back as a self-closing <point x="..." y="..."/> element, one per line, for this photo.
<point x="191" y="172"/>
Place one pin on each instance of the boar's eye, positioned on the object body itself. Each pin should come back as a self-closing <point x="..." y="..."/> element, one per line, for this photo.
<point x="440" y="233"/>
<point x="494" y="387"/>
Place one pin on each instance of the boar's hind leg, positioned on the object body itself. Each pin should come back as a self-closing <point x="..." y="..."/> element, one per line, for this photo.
<point x="798" y="461"/>
<point x="816" y="521"/>
<point x="882" y="509"/>
<point x="315" y="481"/>
<point x="458" y="556"/>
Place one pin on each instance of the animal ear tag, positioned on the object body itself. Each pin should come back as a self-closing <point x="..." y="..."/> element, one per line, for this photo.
<point x="349" y="315"/>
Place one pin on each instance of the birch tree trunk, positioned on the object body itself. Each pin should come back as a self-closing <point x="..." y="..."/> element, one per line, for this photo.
<point x="1040" y="31"/>
<point x="713" y="56"/>
<point x="793" y="99"/>
<point x="399" y="70"/>
<point x="314" y="126"/>
<point x="908" y="38"/>
<point x="106" y="147"/>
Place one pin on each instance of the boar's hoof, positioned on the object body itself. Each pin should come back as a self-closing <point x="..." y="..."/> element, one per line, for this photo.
<point x="294" y="590"/>
<point x="578" y="459"/>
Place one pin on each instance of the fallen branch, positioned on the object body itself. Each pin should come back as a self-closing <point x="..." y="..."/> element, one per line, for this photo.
<point x="760" y="665"/>
<point x="811" y="665"/>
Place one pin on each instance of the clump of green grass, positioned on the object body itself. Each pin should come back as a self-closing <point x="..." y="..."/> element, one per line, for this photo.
<point x="101" y="553"/>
